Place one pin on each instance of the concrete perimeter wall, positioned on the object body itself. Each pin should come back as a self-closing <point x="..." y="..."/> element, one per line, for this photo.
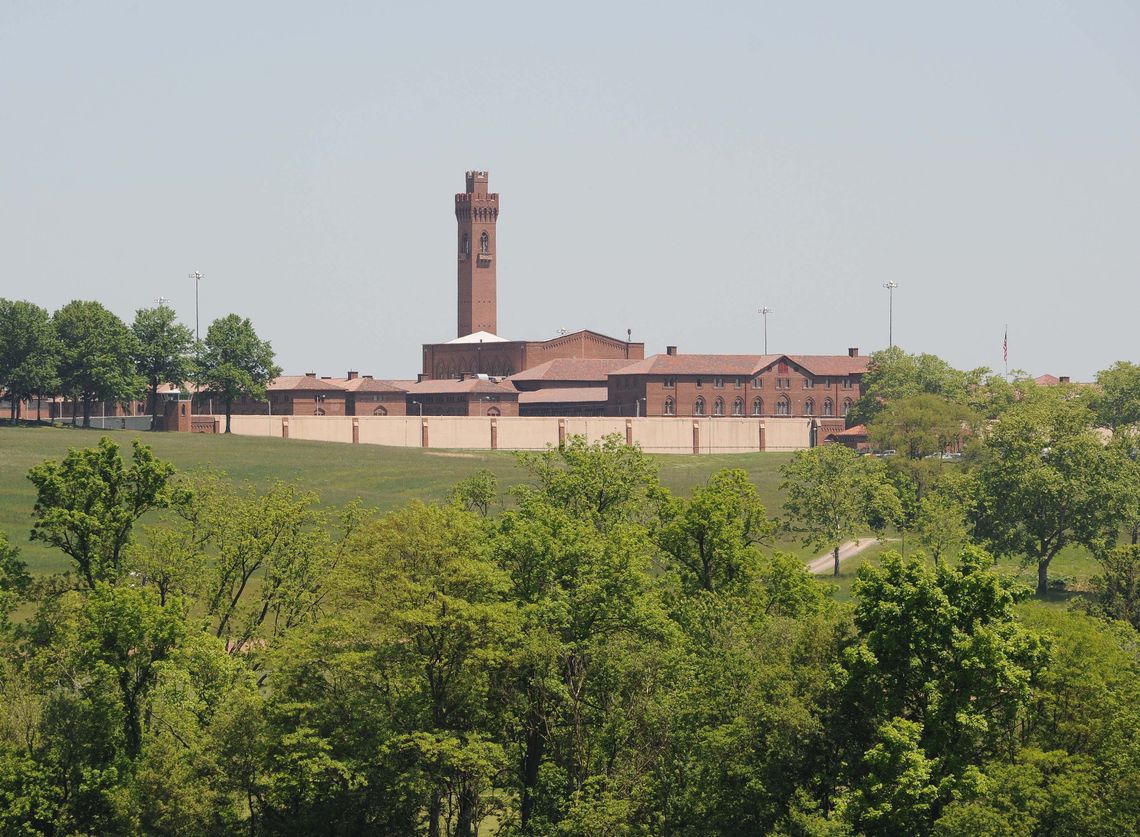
<point x="655" y="435"/>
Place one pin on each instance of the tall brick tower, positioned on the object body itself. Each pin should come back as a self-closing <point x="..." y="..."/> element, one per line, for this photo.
<point x="476" y="212"/>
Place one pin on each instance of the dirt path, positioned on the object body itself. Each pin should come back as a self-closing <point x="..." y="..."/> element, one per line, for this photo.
<point x="826" y="563"/>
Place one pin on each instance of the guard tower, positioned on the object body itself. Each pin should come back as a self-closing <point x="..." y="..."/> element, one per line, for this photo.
<point x="476" y="213"/>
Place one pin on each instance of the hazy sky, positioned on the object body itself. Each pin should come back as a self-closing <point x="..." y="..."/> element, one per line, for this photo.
<point x="662" y="167"/>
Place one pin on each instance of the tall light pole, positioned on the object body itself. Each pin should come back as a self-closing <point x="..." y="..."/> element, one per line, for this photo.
<point x="890" y="286"/>
<point x="197" y="277"/>
<point x="765" y="311"/>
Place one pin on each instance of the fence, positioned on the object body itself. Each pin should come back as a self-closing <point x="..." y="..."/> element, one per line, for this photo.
<point x="654" y="435"/>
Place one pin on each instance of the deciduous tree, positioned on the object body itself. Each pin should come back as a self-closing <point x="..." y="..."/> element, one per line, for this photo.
<point x="162" y="353"/>
<point x="96" y="355"/>
<point x="1045" y="482"/>
<point x="87" y="504"/>
<point x="235" y="362"/>
<point x="833" y="495"/>
<point x="29" y="352"/>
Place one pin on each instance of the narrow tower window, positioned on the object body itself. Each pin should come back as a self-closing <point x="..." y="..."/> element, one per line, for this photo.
<point x="484" y="243"/>
<point x="466" y="244"/>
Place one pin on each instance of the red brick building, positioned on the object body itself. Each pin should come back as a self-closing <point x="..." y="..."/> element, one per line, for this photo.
<point x="469" y="397"/>
<point x="819" y="386"/>
<point x="566" y="387"/>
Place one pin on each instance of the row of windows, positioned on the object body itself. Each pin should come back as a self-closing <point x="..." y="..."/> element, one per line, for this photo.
<point x="783" y="407"/>
<point x="758" y="383"/>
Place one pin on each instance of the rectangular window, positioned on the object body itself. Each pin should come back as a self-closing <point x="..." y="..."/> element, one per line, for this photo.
<point x="718" y="383"/>
<point x="670" y="383"/>
<point x="739" y="383"/>
<point x="758" y="382"/>
<point x="809" y="383"/>
<point x="847" y="383"/>
<point x="698" y="383"/>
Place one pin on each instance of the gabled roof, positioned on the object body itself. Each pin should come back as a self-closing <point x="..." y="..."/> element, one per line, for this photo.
<point x="851" y="432"/>
<point x="1046" y="380"/>
<point x="743" y="365"/>
<point x="368" y="384"/>
<point x="303" y="383"/>
<point x="571" y="335"/>
<point x="565" y="395"/>
<point x="826" y="364"/>
<point x="452" y="386"/>
<point x="480" y="337"/>
<point x="571" y="369"/>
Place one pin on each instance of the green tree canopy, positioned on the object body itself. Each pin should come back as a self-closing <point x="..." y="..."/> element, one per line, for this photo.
<point x="713" y="536"/>
<point x="235" y="362"/>
<point x="162" y="350"/>
<point x="920" y="425"/>
<point x="29" y="352"/>
<point x="833" y="495"/>
<point x="1118" y="401"/>
<point x="1047" y="481"/>
<point x="87" y="504"/>
<point x="96" y="355"/>
<point x="893" y="374"/>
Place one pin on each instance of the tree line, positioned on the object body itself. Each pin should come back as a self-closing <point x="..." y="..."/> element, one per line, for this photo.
<point x="590" y="655"/>
<point x="86" y="353"/>
<point x="1046" y="467"/>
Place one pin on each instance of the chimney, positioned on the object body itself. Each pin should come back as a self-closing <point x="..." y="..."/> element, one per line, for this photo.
<point x="352" y="376"/>
<point x="671" y="351"/>
<point x="853" y="351"/>
<point x="310" y="374"/>
<point x="1064" y="379"/>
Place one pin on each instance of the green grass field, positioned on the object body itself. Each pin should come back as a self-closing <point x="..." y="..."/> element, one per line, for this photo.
<point x="383" y="478"/>
<point x="386" y="478"/>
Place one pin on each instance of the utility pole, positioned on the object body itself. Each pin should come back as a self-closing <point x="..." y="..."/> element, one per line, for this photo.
<point x="197" y="277"/>
<point x="890" y="286"/>
<point x="765" y="311"/>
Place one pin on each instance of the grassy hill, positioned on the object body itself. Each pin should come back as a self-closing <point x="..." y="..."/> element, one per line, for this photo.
<point x="384" y="478"/>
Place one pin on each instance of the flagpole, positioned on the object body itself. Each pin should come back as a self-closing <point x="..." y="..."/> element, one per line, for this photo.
<point x="1005" y="350"/>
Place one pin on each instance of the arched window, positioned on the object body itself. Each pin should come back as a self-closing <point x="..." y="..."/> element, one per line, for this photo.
<point x="466" y="245"/>
<point x="484" y="243"/>
<point x="757" y="406"/>
<point x="670" y="410"/>
<point x="809" y="407"/>
<point x="718" y="407"/>
<point x="493" y="411"/>
<point x="699" y="407"/>
<point x="380" y="411"/>
<point x="738" y="407"/>
<point x="828" y="408"/>
<point x="783" y="407"/>
<point x="846" y="407"/>
<point x="320" y="411"/>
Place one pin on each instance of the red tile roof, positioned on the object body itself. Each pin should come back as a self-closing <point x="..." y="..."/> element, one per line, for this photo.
<point x="857" y="430"/>
<point x="565" y="395"/>
<point x="452" y="386"/>
<point x="832" y="364"/>
<point x="695" y="365"/>
<point x="744" y="365"/>
<point x="1047" y="380"/>
<point x="571" y="369"/>
<point x="363" y="384"/>
<point x="303" y="383"/>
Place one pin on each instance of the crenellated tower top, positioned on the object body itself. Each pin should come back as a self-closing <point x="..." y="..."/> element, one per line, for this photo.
<point x="476" y="214"/>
